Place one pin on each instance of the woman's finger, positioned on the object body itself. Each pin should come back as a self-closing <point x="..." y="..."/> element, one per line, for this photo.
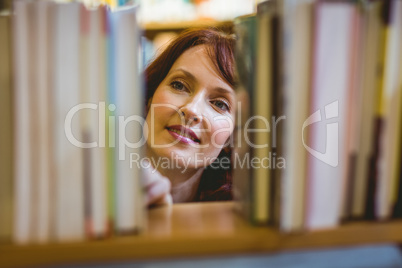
<point x="157" y="191"/>
<point x="165" y="200"/>
<point x="150" y="175"/>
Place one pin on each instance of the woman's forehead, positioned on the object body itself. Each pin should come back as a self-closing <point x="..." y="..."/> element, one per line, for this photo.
<point x="196" y="62"/>
<point x="191" y="54"/>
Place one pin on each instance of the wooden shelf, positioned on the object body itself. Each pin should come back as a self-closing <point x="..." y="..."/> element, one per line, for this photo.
<point x="197" y="229"/>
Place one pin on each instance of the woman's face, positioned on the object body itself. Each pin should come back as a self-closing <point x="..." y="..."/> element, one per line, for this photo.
<point x="191" y="116"/>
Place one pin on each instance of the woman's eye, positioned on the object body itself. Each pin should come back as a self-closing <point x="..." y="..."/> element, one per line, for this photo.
<point x="221" y="105"/>
<point x="178" y="85"/>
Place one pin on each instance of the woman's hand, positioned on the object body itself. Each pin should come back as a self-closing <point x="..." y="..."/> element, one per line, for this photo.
<point x="157" y="188"/>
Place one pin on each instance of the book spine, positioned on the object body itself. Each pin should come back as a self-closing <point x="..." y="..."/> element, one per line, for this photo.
<point x="6" y="131"/>
<point x="22" y="160"/>
<point x="67" y="122"/>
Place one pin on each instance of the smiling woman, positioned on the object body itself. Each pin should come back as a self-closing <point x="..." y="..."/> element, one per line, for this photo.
<point x="190" y="119"/>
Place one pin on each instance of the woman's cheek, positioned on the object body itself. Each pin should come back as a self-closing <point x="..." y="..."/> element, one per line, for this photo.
<point x="161" y="112"/>
<point x="166" y="105"/>
<point x="221" y="131"/>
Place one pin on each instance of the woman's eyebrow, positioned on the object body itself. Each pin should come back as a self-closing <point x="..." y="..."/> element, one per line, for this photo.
<point x="188" y="74"/>
<point x="192" y="77"/>
<point x="224" y="91"/>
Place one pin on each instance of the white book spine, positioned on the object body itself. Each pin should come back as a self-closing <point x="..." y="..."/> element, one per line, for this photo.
<point x="22" y="161"/>
<point x="328" y="129"/>
<point x="97" y="155"/>
<point x="43" y="92"/>
<point x="129" y="112"/>
<point x="298" y="33"/>
<point x="68" y="157"/>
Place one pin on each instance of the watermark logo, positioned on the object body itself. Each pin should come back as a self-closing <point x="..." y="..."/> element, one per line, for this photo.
<point x="330" y="156"/>
<point x="256" y="124"/>
<point x="177" y="162"/>
<point x="126" y="125"/>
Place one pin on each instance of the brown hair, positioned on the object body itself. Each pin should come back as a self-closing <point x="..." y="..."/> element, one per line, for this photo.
<point x="220" y="48"/>
<point x="215" y="184"/>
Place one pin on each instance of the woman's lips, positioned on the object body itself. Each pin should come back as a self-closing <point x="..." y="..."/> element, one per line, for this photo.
<point x="183" y="134"/>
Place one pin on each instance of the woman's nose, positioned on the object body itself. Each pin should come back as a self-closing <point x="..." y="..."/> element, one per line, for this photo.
<point x="192" y="110"/>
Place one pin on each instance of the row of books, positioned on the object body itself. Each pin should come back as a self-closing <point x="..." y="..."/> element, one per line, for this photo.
<point x="70" y="85"/>
<point x="184" y="10"/>
<point x="327" y="77"/>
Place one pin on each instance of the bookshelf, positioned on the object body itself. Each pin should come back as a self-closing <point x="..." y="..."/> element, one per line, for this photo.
<point x="197" y="229"/>
<point x="153" y="28"/>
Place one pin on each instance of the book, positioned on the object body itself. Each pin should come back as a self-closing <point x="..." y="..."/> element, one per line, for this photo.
<point x="297" y="16"/>
<point x="40" y="114"/>
<point x="370" y="204"/>
<point x="93" y="92"/>
<point x="397" y="209"/>
<point x="110" y="124"/>
<point x="371" y="35"/>
<point x="331" y="73"/>
<point x="278" y="117"/>
<point x="32" y="122"/>
<point x="262" y="114"/>
<point x="128" y="111"/>
<point x="354" y="102"/>
<point x="67" y="138"/>
<point x="397" y="172"/>
<point x="389" y="101"/>
<point x="22" y="161"/>
<point x="6" y="131"/>
<point x="245" y="57"/>
<point x="33" y="119"/>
